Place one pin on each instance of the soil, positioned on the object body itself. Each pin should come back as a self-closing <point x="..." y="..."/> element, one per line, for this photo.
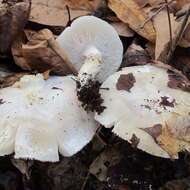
<point x="90" y="96"/>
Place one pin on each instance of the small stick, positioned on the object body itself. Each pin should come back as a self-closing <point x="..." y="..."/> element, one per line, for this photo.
<point x="69" y="14"/>
<point x="141" y="26"/>
<point x="178" y="37"/>
<point x="169" y="20"/>
<point x="85" y="181"/>
<point x="59" y="51"/>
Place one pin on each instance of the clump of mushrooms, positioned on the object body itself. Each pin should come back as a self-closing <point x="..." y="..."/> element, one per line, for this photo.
<point x="150" y="107"/>
<point x="45" y="117"/>
<point x="94" y="48"/>
<point x="40" y="117"/>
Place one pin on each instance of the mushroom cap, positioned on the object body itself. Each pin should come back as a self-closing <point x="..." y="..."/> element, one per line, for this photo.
<point x="40" y="118"/>
<point x="140" y="105"/>
<point x="89" y="31"/>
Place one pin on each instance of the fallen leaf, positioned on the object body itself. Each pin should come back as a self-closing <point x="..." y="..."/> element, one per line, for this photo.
<point x="10" y="80"/>
<point x="126" y="82"/>
<point x="182" y="60"/>
<point x="106" y="159"/>
<point x="150" y="48"/>
<point x="168" y="143"/>
<point x="185" y="41"/>
<point x="24" y="166"/>
<point x="124" y="187"/>
<point x="10" y="180"/>
<point x="17" y="53"/>
<point x="174" y="136"/>
<point x="4" y="70"/>
<point x="135" y="54"/>
<point x="177" y="184"/>
<point x="131" y="13"/>
<point x="163" y="44"/>
<point x="143" y="3"/>
<point x="13" y="17"/>
<point x="42" y="53"/>
<point x="55" y="13"/>
<point x="123" y="29"/>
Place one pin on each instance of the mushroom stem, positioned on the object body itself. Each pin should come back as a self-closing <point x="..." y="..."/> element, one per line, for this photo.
<point x="92" y="65"/>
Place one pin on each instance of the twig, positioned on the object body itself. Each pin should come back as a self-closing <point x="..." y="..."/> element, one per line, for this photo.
<point x="85" y="181"/>
<point x="178" y="15"/>
<point x="141" y="26"/>
<point x="169" y="20"/>
<point x="61" y="53"/>
<point x="69" y="14"/>
<point x="178" y="37"/>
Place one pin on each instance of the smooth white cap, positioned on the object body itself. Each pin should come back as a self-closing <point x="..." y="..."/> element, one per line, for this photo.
<point x="87" y="32"/>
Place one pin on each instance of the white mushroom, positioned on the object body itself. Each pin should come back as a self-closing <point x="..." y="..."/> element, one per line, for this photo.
<point x="41" y="117"/>
<point x="93" y="46"/>
<point x="146" y="107"/>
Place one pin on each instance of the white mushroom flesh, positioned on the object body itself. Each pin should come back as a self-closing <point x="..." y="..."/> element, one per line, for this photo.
<point x="139" y="100"/>
<point x="91" y="67"/>
<point x="40" y="117"/>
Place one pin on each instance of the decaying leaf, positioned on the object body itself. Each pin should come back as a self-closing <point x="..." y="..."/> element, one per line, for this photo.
<point x="185" y="41"/>
<point x="150" y="48"/>
<point x="10" y="80"/>
<point x="24" y="166"/>
<point x="135" y="54"/>
<point x="123" y="29"/>
<point x="134" y="15"/>
<point x="4" y="70"/>
<point x="177" y="184"/>
<point x="126" y="82"/>
<point x="55" y="13"/>
<point x="17" y="52"/>
<point x="163" y="34"/>
<point x="174" y="136"/>
<point x="101" y="164"/>
<point x="42" y="53"/>
<point x="13" y="17"/>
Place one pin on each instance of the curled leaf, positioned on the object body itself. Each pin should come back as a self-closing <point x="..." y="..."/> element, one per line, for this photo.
<point x="13" y="17"/>
<point x="42" y="53"/>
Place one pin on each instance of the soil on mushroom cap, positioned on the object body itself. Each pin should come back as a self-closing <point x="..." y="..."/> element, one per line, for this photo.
<point x="90" y="96"/>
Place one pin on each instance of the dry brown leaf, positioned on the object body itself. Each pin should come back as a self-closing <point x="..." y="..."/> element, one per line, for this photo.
<point x="42" y="53"/>
<point x="177" y="184"/>
<point x="135" y="54"/>
<point x="143" y="3"/>
<point x="55" y="13"/>
<point x="99" y="169"/>
<point x="131" y="13"/>
<point x="182" y="59"/>
<point x="163" y="34"/>
<point x="24" y="166"/>
<point x="175" y="136"/>
<point x="123" y="29"/>
<point x="17" y="53"/>
<point x="168" y="143"/>
<point x="10" y="80"/>
<point x="185" y="41"/>
<point x="150" y="48"/>
<point x="124" y="187"/>
<point x="13" y="17"/>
